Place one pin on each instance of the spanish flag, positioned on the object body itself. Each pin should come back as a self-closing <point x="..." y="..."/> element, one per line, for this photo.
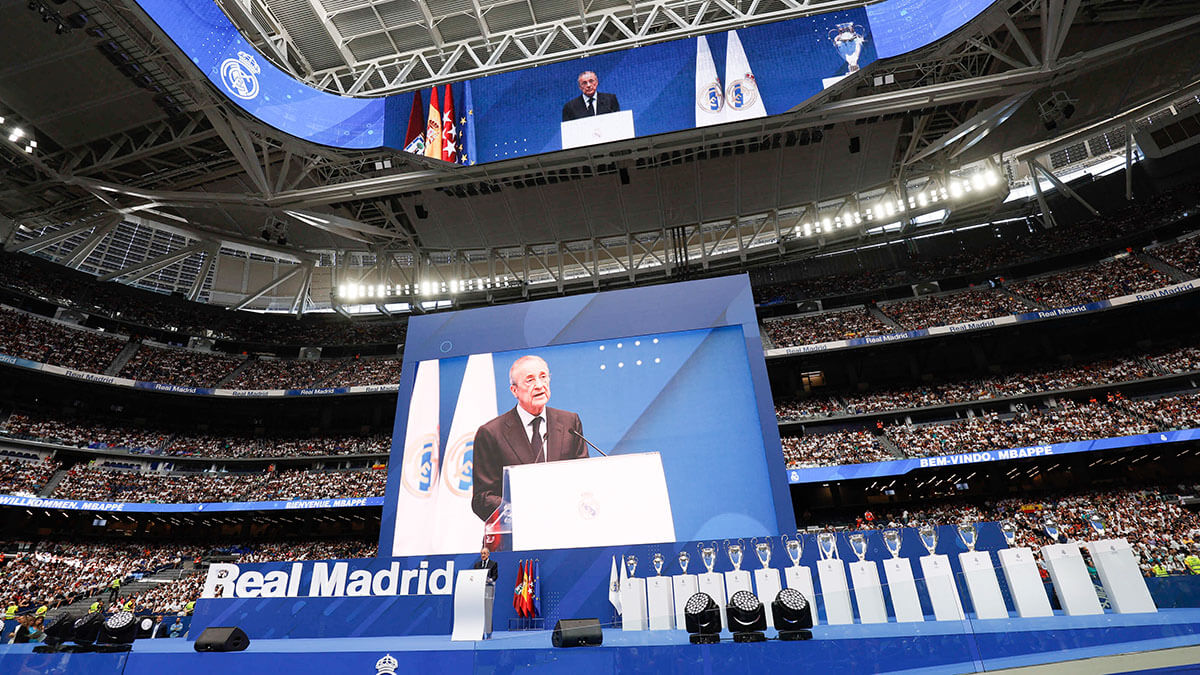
<point x="433" y="132"/>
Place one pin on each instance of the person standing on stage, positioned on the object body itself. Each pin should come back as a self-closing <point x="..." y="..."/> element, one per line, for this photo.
<point x="589" y="102"/>
<point x="485" y="562"/>
<point x="529" y="433"/>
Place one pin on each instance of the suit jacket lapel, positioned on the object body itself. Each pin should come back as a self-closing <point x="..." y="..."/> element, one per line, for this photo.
<point x="517" y="439"/>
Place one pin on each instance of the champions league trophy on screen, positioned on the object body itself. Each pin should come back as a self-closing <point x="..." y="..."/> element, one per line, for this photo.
<point x="847" y="38"/>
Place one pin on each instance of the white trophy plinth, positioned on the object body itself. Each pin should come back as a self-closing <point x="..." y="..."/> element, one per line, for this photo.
<point x="472" y="606"/>
<point x="738" y="580"/>
<point x="660" y="603"/>
<point x="633" y="604"/>
<point x="867" y="592"/>
<point x="683" y="586"/>
<point x="982" y="585"/>
<point x="1072" y="583"/>
<point x="903" y="590"/>
<point x="832" y="575"/>
<point x="800" y="578"/>
<point x="1024" y="582"/>
<point x="1120" y="576"/>
<point x="593" y="129"/>
<point x="713" y="583"/>
<point x="943" y="592"/>
<point x="767" y="582"/>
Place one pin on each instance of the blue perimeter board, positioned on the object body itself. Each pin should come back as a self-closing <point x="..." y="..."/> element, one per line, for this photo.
<point x="946" y="647"/>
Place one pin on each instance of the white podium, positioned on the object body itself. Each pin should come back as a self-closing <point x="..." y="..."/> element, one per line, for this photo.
<point x="598" y="501"/>
<point x="867" y="592"/>
<point x="683" y="586"/>
<point x="800" y="578"/>
<point x="943" y="592"/>
<point x="1120" y="576"/>
<point x="1024" y="582"/>
<point x="615" y="126"/>
<point x="1072" y="583"/>
<point x="633" y="604"/>
<point x="832" y="575"/>
<point x="982" y="585"/>
<point x="738" y="580"/>
<point x="660" y="603"/>
<point x="902" y="588"/>
<point x="713" y="583"/>
<point x="473" y="597"/>
<point x="766" y="580"/>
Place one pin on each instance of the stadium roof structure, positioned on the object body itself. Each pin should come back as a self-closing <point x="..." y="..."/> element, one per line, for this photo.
<point x="144" y="172"/>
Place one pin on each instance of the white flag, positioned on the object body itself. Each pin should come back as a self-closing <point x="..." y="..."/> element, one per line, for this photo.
<point x="614" y="587"/>
<point x="743" y="101"/>
<point x="710" y="95"/>
<point x="419" y="474"/>
<point x="457" y="529"/>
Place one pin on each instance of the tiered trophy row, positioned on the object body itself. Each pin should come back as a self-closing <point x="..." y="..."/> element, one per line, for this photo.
<point x="657" y="602"/>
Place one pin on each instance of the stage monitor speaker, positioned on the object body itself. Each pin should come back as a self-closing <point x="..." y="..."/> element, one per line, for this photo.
<point x="577" y="633"/>
<point x="222" y="639"/>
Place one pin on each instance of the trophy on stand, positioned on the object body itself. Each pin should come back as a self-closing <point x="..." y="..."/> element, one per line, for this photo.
<point x="1097" y="524"/>
<point x="684" y="559"/>
<point x="929" y="538"/>
<point x="865" y="575"/>
<point x="891" y="539"/>
<point x="763" y="551"/>
<point x="939" y="578"/>
<point x="708" y="556"/>
<point x="633" y="599"/>
<point x="980" y="576"/>
<point x="1010" y="533"/>
<point x="735" y="551"/>
<point x="832" y="573"/>
<point x="713" y="583"/>
<point x="858" y="544"/>
<point x="827" y="545"/>
<point x="766" y="579"/>
<point x="900" y="582"/>
<point x="736" y="579"/>
<point x="798" y="576"/>
<point x="630" y="564"/>
<point x="794" y="548"/>
<point x="657" y="561"/>
<point x="660" y="601"/>
<point x="969" y="535"/>
<point x="683" y="586"/>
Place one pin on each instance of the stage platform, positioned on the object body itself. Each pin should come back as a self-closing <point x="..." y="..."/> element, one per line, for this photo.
<point x="930" y="647"/>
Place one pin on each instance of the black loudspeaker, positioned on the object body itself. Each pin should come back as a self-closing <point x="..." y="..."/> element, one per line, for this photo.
<point x="222" y="639"/>
<point x="577" y="633"/>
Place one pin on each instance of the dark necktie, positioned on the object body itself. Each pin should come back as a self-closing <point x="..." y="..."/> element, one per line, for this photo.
<point x="591" y="104"/>
<point x="536" y="441"/>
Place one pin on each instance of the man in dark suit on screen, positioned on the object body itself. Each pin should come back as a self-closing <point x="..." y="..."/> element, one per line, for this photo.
<point x="485" y="562"/>
<point x="529" y="433"/>
<point x="590" y="102"/>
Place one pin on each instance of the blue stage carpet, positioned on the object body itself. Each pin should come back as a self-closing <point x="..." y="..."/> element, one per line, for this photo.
<point x="942" y="647"/>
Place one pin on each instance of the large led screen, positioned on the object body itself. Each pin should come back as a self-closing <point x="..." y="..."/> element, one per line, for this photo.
<point x="680" y="407"/>
<point x="672" y="86"/>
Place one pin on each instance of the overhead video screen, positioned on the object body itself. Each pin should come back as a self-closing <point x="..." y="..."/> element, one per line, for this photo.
<point x="683" y="84"/>
<point x="679" y="414"/>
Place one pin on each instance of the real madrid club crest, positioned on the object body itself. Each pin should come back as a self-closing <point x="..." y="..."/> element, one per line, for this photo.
<point x="742" y="93"/>
<point x="458" y="465"/>
<point x="387" y="665"/>
<point x="240" y="75"/>
<point x="710" y="98"/>
<point x="420" y="470"/>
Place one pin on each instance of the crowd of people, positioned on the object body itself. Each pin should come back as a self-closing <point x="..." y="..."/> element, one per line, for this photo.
<point x="1169" y="412"/>
<point x="831" y="449"/>
<point x="87" y="482"/>
<point x="364" y="372"/>
<point x="89" y="434"/>
<point x="1108" y="279"/>
<point x="185" y="367"/>
<point x="1182" y="255"/>
<point x="28" y="337"/>
<point x="233" y="445"/>
<point x="945" y="310"/>
<point x="284" y="374"/>
<point x="1101" y="371"/>
<point x="824" y="327"/>
<point x="25" y="478"/>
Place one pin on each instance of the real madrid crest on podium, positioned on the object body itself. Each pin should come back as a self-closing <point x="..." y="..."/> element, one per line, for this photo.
<point x="387" y="665"/>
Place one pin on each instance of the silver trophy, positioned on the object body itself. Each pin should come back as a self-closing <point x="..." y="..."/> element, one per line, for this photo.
<point x="1051" y="529"/>
<point x="929" y="538"/>
<point x="1097" y="524"/>
<point x="827" y="545"/>
<point x="657" y="561"/>
<point x="891" y="539"/>
<point x="1009" y="530"/>
<point x="763" y="550"/>
<point x="847" y="38"/>
<point x="969" y="535"/>
<point x="794" y="548"/>
<point x="630" y="564"/>
<point x="858" y="544"/>
<point x="684" y="559"/>
<point x="735" y="551"/>
<point x="708" y="556"/>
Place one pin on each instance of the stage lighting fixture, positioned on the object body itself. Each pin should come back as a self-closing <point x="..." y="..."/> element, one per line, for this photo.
<point x="120" y="629"/>
<point x="87" y="628"/>
<point x="59" y="630"/>
<point x="792" y="614"/>
<point x="702" y="618"/>
<point x="747" y="617"/>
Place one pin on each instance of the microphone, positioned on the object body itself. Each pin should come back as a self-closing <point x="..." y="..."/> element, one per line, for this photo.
<point x="589" y="443"/>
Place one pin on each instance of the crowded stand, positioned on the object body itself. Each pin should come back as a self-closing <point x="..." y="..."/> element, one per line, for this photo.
<point x="364" y="372"/>
<point x="28" y="337"/>
<point x="1108" y="279"/>
<point x="284" y="374"/>
<point x="1174" y="361"/>
<point x="91" y="483"/>
<point x="82" y="434"/>
<point x="25" y="478"/>
<point x="945" y="310"/>
<point x="811" y="408"/>
<point x="824" y="327"/>
<point x="839" y="447"/>
<point x="1102" y="371"/>
<point x="179" y="366"/>
<point x="232" y="445"/>
<point x="1182" y="255"/>
<point x="1170" y="412"/>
